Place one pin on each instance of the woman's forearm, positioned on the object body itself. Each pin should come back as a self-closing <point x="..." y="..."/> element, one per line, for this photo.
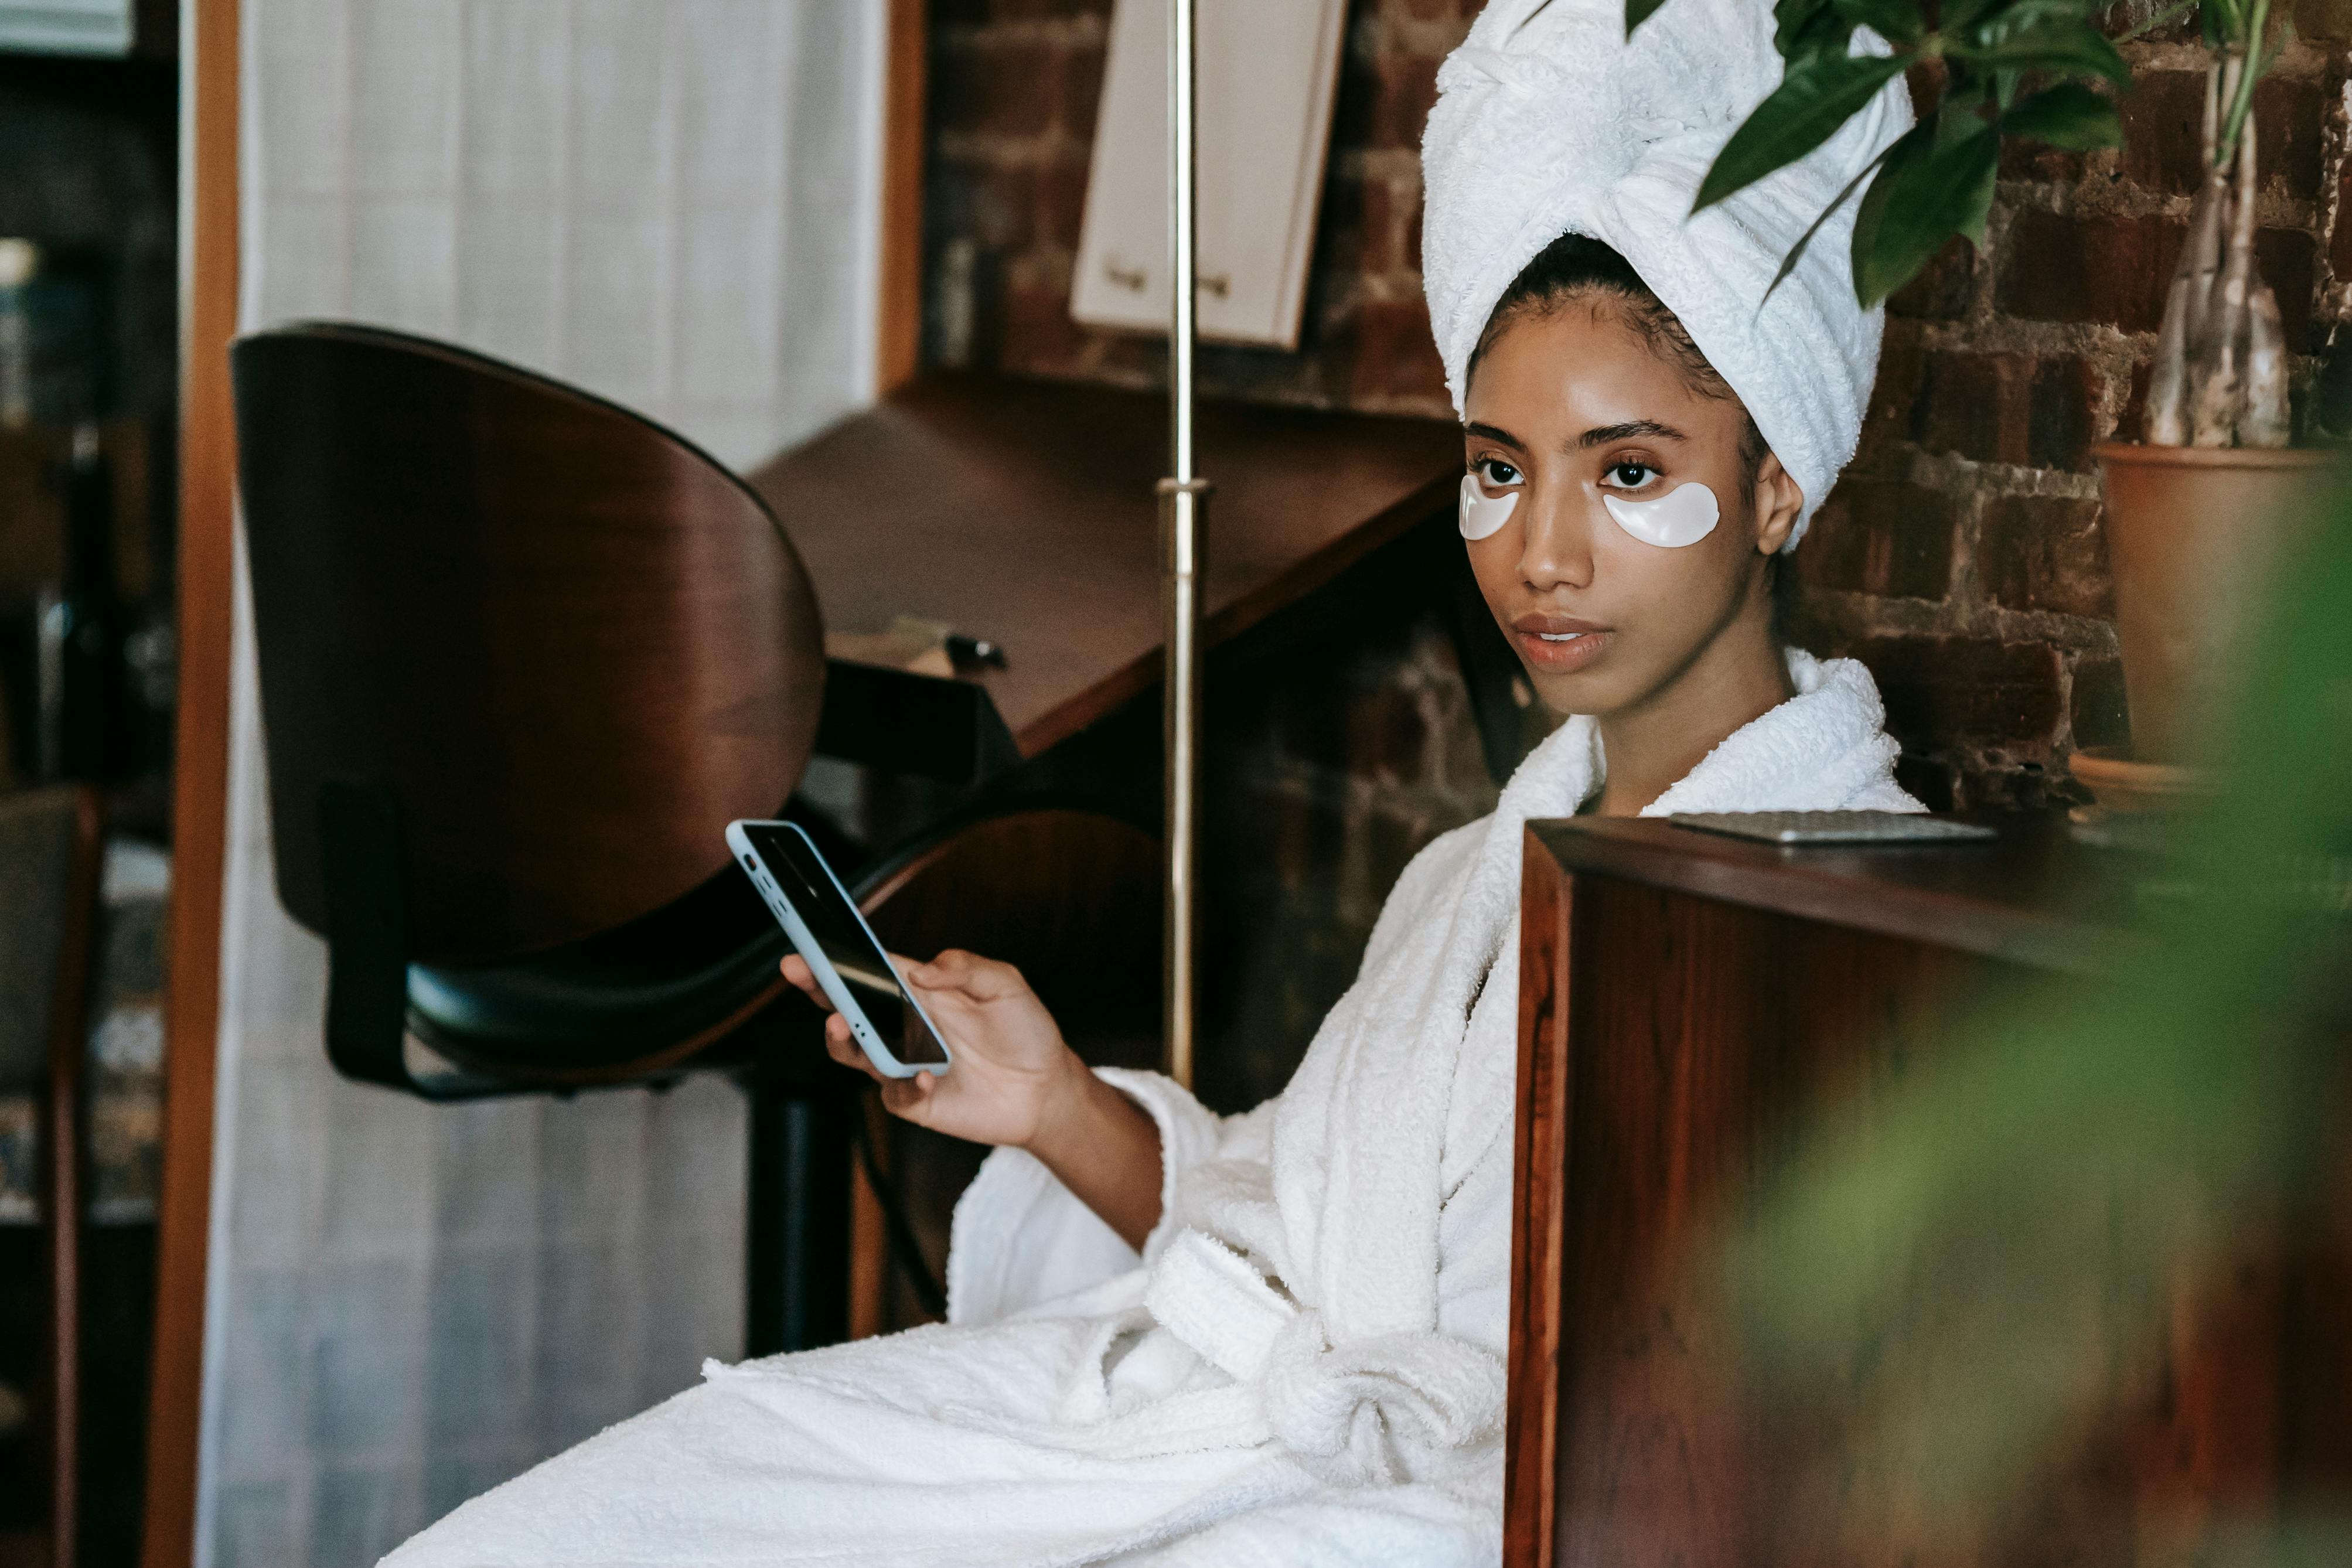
<point x="1106" y="1149"/>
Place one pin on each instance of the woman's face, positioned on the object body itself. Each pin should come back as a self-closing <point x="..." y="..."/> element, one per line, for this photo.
<point x="1570" y="406"/>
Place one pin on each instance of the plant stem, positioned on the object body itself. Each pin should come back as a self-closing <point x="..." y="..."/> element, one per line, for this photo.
<point x="2248" y="48"/>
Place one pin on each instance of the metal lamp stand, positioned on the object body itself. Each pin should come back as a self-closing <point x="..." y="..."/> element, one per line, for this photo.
<point x="1183" y="528"/>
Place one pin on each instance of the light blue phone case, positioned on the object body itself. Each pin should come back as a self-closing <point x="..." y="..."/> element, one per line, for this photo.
<point x="828" y="979"/>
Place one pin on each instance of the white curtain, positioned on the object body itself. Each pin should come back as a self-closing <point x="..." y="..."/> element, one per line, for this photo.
<point x="672" y="203"/>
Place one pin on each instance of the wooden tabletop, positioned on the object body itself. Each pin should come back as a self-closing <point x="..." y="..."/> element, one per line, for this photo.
<point x="2032" y="896"/>
<point x="1023" y="512"/>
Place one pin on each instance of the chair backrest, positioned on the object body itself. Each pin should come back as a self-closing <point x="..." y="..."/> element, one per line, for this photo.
<point x="570" y="644"/>
<point x="38" y="832"/>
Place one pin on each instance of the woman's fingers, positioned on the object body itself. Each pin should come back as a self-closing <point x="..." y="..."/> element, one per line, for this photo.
<point x="798" y="974"/>
<point x="982" y="979"/>
<point x="907" y="1096"/>
<point x="839" y="1046"/>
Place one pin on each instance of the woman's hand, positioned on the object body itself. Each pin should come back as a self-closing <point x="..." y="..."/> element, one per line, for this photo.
<point x="1011" y="1068"/>
<point x="1014" y="1081"/>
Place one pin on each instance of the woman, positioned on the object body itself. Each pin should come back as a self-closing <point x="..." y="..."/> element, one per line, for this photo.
<point x="1280" y="1337"/>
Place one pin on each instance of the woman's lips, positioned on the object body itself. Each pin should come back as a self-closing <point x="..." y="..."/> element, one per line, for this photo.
<point x="1557" y="644"/>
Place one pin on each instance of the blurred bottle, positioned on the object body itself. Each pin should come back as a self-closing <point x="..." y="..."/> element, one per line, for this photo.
<point x="20" y="263"/>
<point x="81" y="630"/>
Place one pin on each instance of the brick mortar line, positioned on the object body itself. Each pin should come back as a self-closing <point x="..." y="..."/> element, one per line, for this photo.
<point x="1854" y="611"/>
<point x="1082" y="31"/>
<point x="995" y="149"/>
<point x="1283" y="773"/>
<point x="1953" y="474"/>
<point x="2120" y="197"/>
<point x="1391" y="163"/>
<point x="1997" y="334"/>
<point x="1383" y="34"/>
<point x="2302" y="60"/>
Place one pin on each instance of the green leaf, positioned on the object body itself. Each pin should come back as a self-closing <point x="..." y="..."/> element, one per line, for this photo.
<point x="1638" y="12"/>
<point x="1805" y="110"/>
<point x="2061" y="50"/>
<point x="1911" y="148"/>
<point x="2069" y="116"/>
<point x="1961" y="114"/>
<point x="1801" y="28"/>
<point x="1922" y="197"/>
<point x="1957" y="15"/>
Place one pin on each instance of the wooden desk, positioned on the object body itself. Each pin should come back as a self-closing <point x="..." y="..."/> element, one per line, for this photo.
<point x="1683" y="997"/>
<point x="1023" y="511"/>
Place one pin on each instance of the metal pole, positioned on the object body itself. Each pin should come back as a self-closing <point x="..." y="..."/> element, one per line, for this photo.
<point x="1184" y="517"/>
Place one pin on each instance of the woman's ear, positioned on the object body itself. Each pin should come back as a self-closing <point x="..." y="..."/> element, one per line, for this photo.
<point x="1778" y="503"/>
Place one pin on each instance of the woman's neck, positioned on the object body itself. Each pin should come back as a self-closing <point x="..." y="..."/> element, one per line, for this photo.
<point x="1738" y="677"/>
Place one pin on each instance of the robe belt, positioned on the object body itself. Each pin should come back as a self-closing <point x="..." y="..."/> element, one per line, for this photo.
<point x="1385" y="1408"/>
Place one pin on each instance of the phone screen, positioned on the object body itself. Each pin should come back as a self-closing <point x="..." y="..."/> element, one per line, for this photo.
<point x="809" y="886"/>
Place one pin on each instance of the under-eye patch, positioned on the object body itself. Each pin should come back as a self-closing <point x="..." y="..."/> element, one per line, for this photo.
<point x="1683" y="515"/>
<point x="1482" y="514"/>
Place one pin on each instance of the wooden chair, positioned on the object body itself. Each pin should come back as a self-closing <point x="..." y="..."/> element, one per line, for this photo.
<point x="523" y="653"/>
<point x="51" y="850"/>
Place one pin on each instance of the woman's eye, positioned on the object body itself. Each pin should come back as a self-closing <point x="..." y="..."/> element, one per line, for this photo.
<point x="1496" y="473"/>
<point x="1631" y="475"/>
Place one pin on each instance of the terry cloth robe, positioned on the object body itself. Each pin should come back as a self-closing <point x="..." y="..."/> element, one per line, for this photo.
<point x="1305" y="1364"/>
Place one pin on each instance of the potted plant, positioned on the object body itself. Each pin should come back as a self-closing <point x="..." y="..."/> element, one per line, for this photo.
<point x="2197" y="512"/>
<point x="2194" y="513"/>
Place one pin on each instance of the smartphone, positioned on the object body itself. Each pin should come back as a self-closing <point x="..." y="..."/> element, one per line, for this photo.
<point x="816" y="911"/>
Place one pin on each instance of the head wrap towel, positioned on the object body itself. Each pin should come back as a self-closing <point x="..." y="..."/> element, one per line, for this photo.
<point x="1548" y="122"/>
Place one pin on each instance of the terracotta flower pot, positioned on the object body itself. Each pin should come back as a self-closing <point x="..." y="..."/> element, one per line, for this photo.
<point x="2192" y="533"/>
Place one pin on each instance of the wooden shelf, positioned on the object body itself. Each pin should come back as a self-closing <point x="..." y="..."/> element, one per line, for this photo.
<point x="2033" y="896"/>
<point x="1023" y="511"/>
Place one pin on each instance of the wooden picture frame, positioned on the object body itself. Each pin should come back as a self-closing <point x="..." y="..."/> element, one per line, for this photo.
<point x="1268" y="77"/>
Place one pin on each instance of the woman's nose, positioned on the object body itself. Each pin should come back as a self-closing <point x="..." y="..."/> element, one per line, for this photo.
<point x="1558" y="552"/>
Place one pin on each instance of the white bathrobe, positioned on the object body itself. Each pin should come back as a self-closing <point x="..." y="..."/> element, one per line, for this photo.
<point x="1305" y="1364"/>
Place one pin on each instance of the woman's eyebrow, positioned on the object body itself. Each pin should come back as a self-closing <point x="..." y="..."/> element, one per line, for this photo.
<point x="1494" y="433"/>
<point x="1631" y="429"/>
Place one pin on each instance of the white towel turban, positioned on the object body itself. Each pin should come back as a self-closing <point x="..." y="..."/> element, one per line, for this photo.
<point x="1548" y="122"/>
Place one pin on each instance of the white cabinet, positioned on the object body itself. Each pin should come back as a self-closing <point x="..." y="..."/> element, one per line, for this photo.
<point x="1267" y="71"/>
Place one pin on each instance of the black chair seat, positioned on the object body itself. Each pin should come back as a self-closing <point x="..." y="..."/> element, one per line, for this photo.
<point x="666" y="985"/>
<point x="677" y="975"/>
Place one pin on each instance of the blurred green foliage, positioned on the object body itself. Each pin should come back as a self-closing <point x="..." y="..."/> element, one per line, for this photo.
<point x="2148" y="1131"/>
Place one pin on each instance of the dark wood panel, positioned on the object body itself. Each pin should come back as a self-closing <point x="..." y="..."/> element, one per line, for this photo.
<point x="1023" y="511"/>
<point x="1716" y="1024"/>
<point x="1673" y="1049"/>
<point x="2034" y="897"/>
<point x="1539" y="1210"/>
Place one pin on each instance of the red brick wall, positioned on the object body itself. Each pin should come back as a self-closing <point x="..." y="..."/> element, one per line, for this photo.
<point x="1014" y="89"/>
<point x="1961" y="557"/>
